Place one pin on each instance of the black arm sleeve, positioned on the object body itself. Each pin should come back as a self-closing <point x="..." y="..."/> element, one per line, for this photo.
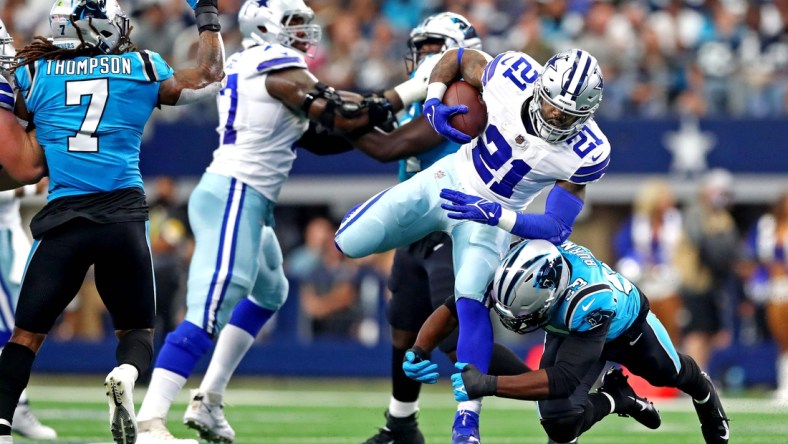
<point x="576" y="354"/>
<point x="322" y="142"/>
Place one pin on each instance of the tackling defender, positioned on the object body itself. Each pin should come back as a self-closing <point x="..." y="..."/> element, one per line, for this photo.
<point x="89" y="93"/>
<point x="539" y="134"/>
<point x="590" y="315"/>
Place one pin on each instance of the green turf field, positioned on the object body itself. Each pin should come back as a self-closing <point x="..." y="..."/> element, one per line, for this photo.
<point x="295" y="411"/>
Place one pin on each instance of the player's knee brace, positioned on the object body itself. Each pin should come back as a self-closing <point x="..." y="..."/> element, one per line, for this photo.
<point x="563" y="428"/>
<point x="135" y="348"/>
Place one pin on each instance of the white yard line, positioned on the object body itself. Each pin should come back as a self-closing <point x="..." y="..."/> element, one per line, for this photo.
<point x="355" y="398"/>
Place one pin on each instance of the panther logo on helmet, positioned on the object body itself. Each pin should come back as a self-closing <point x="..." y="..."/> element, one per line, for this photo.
<point x="527" y="285"/>
<point x="286" y="22"/>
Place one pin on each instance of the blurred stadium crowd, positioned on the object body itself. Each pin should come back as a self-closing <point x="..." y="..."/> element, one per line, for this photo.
<point x="660" y="57"/>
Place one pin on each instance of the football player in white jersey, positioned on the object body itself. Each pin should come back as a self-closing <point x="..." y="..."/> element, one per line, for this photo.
<point x="236" y="281"/>
<point x="539" y="134"/>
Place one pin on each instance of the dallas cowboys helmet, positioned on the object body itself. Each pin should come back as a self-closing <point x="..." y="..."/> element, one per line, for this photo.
<point x="572" y="83"/>
<point x="454" y="30"/>
<point x="527" y="285"/>
<point x="95" y="23"/>
<point x="287" y="22"/>
<point x="7" y="50"/>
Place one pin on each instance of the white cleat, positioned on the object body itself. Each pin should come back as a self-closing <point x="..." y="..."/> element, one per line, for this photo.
<point x="123" y="423"/>
<point x="206" y="415"/>
<point x="26" y="424"/>
<point x="154" y="431"/>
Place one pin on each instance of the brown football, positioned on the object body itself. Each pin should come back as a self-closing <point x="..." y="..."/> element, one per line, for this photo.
<point x="473" y="122"/>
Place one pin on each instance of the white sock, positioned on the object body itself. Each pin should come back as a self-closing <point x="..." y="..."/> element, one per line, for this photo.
<point x="399" y="409"/>
<point x="782" y="374"/>
<point x="231" y="347"/>
<point x="164" y="386"/>
<point x="474" y="405"/>
<point x="131" y="369"/>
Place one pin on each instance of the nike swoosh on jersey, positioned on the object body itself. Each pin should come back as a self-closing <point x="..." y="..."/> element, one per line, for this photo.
<point x="588" y="305"/>
<point x="636" y="339"/>
<point x="437" y="247"/>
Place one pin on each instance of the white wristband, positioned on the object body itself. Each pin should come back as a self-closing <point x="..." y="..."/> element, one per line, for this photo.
<point x="436" y="90"/>
<point x="507" y="220"/>
<point x="411" y="91"/>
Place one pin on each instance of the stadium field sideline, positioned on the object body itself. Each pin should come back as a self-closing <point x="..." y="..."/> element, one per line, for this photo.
<point x="331" y="411"/>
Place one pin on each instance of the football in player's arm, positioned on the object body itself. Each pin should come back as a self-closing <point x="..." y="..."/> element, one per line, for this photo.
<point x="590" y="315"/>
<point x="545" y="115"/>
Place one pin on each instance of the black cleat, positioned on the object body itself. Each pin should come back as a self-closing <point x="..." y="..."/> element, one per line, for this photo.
<point x="713" y="422"/>
<point x="627" y="402"/>
<point x="398" y="431"/>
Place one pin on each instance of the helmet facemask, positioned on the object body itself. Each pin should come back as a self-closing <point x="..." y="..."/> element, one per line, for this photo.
<point x="566" y="95"/>
<point x="90" y="23"/>
<point x="448" y="28"/>
<point x="299" y="32"/>
<point x="7" y="50"/>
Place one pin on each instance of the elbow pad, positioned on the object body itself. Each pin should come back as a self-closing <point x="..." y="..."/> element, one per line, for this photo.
<point x="334" y="104"/>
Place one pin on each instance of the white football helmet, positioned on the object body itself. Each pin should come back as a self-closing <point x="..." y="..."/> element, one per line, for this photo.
<point x="287" y="22"/>
<point x="527" y="285"/>
<point x="7" y="50"/>
<point x="571" y="82"/>
<point x="453" y="29"/>
<point x="96" y="23"/>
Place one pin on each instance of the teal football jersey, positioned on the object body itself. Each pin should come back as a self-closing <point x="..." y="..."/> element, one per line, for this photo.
<point x="89" y="114"/>
<point x="595" y="293"/>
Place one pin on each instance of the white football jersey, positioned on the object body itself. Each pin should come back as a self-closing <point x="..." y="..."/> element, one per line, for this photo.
<point x="509" y="165"/>
<point x="257" y="132"/>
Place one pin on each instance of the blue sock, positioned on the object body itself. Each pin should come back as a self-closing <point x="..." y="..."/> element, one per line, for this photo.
<point x="250" y="317"/>
<point x="475" y="343"/>
<point x="182" y="349"/>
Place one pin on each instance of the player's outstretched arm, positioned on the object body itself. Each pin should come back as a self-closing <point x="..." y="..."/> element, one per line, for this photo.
<point x="206" y="79"/>
<point x="410" y="139"/>
<point x="21" y="157"/>
<point x="339" y="111"/>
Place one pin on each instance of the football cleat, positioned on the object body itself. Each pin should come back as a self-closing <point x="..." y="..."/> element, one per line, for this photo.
<point x="26" y="424"/>
<point x="398" y="431"/>
<point x="713" y="422"/>
<point x="465" y="429"/>
<point x="627" y="402"/>
<point x="206" y="415"/>
<point x="123" y="423"/>
<point x="154" y="431"/>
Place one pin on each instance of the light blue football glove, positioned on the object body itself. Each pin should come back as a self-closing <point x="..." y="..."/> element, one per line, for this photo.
<point x="438" y="115"/>
<point x="460" y="393"/>
<point x="470" y="383"/>
<point x="417" y="366"/>
<point x="466" y="206"/>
